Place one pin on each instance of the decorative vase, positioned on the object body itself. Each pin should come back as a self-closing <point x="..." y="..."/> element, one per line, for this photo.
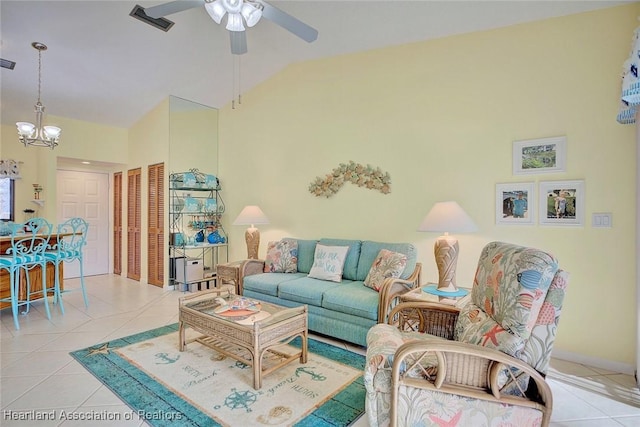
<point x="199" y="236"/>
<point x="213" y="237"/>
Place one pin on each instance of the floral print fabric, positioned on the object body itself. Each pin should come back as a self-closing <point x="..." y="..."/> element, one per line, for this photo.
<point x="387" y="264"/>
<point x="282" y="257"/>
<point x="516" y="303"/>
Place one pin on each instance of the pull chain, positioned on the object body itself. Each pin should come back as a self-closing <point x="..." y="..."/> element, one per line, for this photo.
<point x="236" y="91"/>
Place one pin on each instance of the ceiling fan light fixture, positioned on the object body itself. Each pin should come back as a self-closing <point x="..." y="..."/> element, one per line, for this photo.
<point x="234" y="22"/>
<point x="216" y="10"/>
<point x="233" y="6"/>
<point x="251" y="14"/>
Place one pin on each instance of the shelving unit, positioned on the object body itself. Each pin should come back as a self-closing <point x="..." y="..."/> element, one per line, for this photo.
<point x="198" y="242"/>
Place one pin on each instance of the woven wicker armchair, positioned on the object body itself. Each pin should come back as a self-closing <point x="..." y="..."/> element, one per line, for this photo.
<point x="483" y="366"/>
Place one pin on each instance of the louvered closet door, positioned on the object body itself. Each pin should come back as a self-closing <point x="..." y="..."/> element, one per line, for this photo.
<point x="117" y="223"/>
<point x="155" y="236"/>
<point x="133" y="224"/>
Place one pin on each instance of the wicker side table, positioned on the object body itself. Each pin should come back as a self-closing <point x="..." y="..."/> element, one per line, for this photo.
<point x="424" y="312"/>
<point x="229" y="273"/>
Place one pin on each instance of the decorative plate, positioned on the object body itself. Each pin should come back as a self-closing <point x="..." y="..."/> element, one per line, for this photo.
<point x="191" y="205"/>
<point x="210" y="181"/>
<point x="189" y="180"/>
<point x="210" y="205"/>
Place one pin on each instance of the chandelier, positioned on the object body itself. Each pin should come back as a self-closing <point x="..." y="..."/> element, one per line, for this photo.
<point x="251" y="11"/>
<point x="38" y="135"/>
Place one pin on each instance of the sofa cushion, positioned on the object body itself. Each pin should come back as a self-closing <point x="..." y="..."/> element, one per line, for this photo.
<point x="387" y="264"/>
<point x="305" y="290"/>
<point x="352" y="298"/>
<point x="306" y="250"/>
<point x="267" y="283"/>
<point x="370" y="250"/>
<point x="350" y="269"/>
<point x="282" y="257"/>
<point x="328" y="262"/>
<point x="474" y="326"/>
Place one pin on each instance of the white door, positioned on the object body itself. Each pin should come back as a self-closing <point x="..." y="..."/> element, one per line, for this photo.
<point x="86" y="195"/>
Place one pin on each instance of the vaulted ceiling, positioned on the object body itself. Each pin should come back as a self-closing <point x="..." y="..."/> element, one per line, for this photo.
<point x="106" y="67"/>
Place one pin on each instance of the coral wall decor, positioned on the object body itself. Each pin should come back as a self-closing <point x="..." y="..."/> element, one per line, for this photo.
<point x="355" y="173"/>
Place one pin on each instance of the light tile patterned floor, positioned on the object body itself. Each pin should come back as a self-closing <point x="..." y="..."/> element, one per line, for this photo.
<point x="37" y="372"/>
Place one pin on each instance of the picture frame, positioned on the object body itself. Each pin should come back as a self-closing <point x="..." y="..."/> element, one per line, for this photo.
<point x="545" y="155"/>
<point x="561" y="203"/>
<point x="515" y="203"/>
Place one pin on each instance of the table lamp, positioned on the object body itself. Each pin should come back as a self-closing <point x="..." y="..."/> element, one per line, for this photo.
<point x="447" y="217"/>
<point x="251" y="215"/>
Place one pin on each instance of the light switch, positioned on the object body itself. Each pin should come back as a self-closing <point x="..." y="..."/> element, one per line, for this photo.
<point x="602" y="219"/>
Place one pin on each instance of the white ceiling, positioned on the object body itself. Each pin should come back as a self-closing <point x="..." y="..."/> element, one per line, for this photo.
<point x="106" y="67"/>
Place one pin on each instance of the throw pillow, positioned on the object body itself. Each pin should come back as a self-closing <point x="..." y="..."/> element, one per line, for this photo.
<point x="328" y="262"/>
<point x="387" y="264"/>
<point x="282" y="257"/>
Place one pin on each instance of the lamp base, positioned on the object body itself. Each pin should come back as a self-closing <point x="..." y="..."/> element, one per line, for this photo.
<point x="446" y="254"/>
<point x="252" y="237"/>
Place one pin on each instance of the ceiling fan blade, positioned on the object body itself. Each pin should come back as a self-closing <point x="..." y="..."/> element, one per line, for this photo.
<point x="172" y="7"/>
<point x="238" y="42"/>
<point x="289" y="23"/>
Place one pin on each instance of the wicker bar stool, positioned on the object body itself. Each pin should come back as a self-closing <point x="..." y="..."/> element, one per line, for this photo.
<point x="29" y="241"/>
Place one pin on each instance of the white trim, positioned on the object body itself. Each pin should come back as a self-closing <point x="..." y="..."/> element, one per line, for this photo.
<point x="637" y="248"/>
<point x="596" y="362"/>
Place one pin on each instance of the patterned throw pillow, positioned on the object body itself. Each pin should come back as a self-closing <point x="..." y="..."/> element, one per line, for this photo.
<point x="328" y="262"/>
<point x="282" y="257"/>
<point x="387" y="264"/>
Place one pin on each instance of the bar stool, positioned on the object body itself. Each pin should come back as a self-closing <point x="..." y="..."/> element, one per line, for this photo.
<point x="29" y="241"/>
<point x="72" y="236"/>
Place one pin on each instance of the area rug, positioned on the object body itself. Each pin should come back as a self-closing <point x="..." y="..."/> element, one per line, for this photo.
<point x="200" y="387"/>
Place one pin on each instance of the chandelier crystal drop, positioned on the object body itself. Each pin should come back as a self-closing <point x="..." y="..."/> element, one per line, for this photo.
<point x="38" y="135"/>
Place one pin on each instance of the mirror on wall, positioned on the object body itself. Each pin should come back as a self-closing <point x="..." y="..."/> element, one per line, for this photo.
<point x="193" y="136"/>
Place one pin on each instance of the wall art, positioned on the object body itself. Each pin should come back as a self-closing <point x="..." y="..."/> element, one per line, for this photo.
<point x="544" y="155"/>
<point x="515" y="203"/>
<point x="562" y="203"/>
<point x="363" y="176"/>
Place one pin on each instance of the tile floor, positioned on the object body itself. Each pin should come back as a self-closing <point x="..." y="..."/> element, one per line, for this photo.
<point x="38" y="374"/>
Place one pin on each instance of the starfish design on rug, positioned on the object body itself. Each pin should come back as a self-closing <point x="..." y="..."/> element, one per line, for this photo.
<point x="103" y="349"/>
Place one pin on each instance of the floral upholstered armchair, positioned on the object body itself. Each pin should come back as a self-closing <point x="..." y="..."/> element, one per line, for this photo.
<point x="489" y="367"/>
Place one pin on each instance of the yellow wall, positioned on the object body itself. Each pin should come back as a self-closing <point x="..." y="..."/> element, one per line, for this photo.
<point x="440" y="116"/>
<point x="193" y="138"/>
<point x="148" y="145"/>
<point x="82" y="140"/>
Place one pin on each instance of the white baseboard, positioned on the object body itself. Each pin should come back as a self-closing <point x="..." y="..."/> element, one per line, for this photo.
<point x="596" y="362"/>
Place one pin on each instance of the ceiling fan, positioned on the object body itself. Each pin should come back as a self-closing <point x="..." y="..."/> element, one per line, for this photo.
<point x="238" y="13"/>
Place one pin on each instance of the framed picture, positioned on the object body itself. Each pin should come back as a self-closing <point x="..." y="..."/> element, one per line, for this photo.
<point x="562" y="203"/>
<point x="539" y="155"/>
<point x="515" y="203"/>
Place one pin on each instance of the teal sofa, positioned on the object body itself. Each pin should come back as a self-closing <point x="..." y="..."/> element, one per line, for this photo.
<point x="345" y="310"/>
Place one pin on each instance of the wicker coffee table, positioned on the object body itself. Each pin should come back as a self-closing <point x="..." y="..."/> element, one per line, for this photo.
<point x="254" y="343"/>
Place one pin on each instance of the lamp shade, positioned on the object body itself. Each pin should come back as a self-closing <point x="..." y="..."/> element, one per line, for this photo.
<point x="447" y="217"/>
<point x="251" y="215"/>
